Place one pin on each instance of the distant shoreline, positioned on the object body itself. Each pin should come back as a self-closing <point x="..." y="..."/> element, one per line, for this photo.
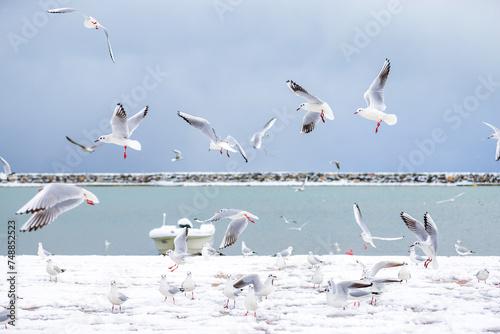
<point x="255" y="179"/>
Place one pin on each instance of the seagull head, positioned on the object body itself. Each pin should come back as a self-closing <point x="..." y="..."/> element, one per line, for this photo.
<point x="104" y="139"/>
<point x="358" y="111"/>
<point x="301" y="106"/>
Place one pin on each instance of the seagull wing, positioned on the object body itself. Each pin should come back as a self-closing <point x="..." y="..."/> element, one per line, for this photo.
<point x="432" y="230"/>
<point x="66" y="10"/>
<point x="309" y="121"/>
<point x="177" y="153"/>
<point x="374" y="96"/>
<point x="233" y="142"/>
<point x="415" y="226"/>
<point x="133" y="122"/>
<point x="119" y="122"/>
<point x="109" y="44"/>
<point x="6" y="166"/>
<point x="248" y="279"/>
<point x="51" y="195"/>
<point x="180" y="241"/>
<point x="74" y="142"/>
<point x="493" y="127"/>
<point x="299" y="91"/>
<point x="497" y="152"/>
<point x="41" y="218"/>
<point x="360" y="220"/>
<point x="384" y="264"/>
<point x="201" y="124"/>
<point x="233" y="230"/>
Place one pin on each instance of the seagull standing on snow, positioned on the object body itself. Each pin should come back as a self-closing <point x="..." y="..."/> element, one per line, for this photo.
<point x="6" y="170"/>
<point x="374" y="97"/>
<point x="251" y="302"/>
<point x="280" y="262"/>
<point x="316" y="108"/>
<point x="216" y="143"/>
<point x="188" y="284"/>
<point x="168" y="290"/>
<point x="246" y="251"/>
<point x="207" y="251"/>
<point x="313" y="259"/>
<point x="179" y="254"/>
<point x="53" y="270"/>
<point x="482" y="275"/>
<point x="89" y="22"/>
<point x="317" y="277"/>
<point x="427" y="235"/>
<point x="285" y="253"/>
<point x="461" y="250"/>
<point x="115" y="297"/>
<point x="230" y="292"/>
<point x="42" y="252"/>
<point x="89" y="149"/>
<point x="496" y="136"/>
<point x="415" y="258"/>
<point x="123" y="128"/>
<point x="178" y="156"/>
<point x="404" y="273"/>
<point x="367" y="236"/>
<point x="51" y="201"/>
<point x="237" y="225"/>
<point x="257" y="137"/>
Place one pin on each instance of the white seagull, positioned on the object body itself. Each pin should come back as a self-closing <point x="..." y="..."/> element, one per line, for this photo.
<point x="115" y="297"/>
<point x="285" y="253"/>
<point x="298" y="228"/>
<point x="122" y="128"/>
<point x="280" y="262"/>
<point x="336" y="163"/>
<point x="178" y="156"/>
<point x="257" y="137"/>
<point x="427" y="235"/>
<point x="367" y="236"/>
<point x="462" y="251"/>
<point x="496" y="136"/>
<point x="337" y="295"/>
<point x="216" y="143"/>
<point x="303" y="186"/>
<point x="317" y="277"/>
<point x="208" y="251"/>
<point x="42" y="252"/>
<point x="168" y="290"/>
<point x="246" y="251"/>
<point x="53" y="270"/>
<point x="188" y="284"/>
<point x="179" y="254"/>
<point x="89" y="149"/>
<point x="482" y="275"/>
<point x="288" y="221"/>
<point x="51" y="201"/>
<point x="6" y="170"/>
<point x="89" y="22"/>
<point x="404" y="273"/>
<point x="251" y="302"/>
<point x="370" y="273"/>
<point x="261" y="289"/>
<point x="230" y="292"/>
<point x="451" y="199"/>
<point x="316" y="108"/>
<point x="415" y="258"/>
<point x="374" y="97"/>
<point x="237" y="225"/>
<point x="313" y="259"/>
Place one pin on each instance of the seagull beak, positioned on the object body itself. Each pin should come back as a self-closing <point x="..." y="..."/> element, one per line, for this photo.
<point x="356" y="112"/>
<point x="96" y="141"/>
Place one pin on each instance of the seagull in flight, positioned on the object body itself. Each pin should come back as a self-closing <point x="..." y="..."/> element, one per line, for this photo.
<point x="298" y="228"/>
<point x="336" y="163"/>
<point x="178" y="156"/>
<point x="89" y="149"/>
<point x="302" y="187"/>
<point x="374" y="97"/>
<point x="316" y="108"/>
<point x="496" y="136"/>
<point x="89" y="22"/>
<point x="51" y="201"/>
<point x="427" y="235"/>
<point x="257" y="137"/>
<point x="179" y="254"/>
<point x="366" y="235"/>
<point x="122" y="128"/>
<point x="6" y="170"/>
<point x="451" y="199"/>
<point x="216" y="143"/>
<point x="288" y="221"/>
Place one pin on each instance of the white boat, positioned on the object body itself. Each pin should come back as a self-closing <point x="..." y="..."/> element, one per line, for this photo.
<point x="164" y="236"/>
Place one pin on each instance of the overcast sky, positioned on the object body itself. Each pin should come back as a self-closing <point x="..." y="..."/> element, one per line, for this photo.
<point x="228" y="61"/>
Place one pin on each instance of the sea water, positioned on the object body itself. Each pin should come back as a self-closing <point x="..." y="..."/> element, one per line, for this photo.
<point x="125" y="215"/>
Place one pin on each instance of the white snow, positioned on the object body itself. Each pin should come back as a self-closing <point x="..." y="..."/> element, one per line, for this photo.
<point x="447" y="300"/>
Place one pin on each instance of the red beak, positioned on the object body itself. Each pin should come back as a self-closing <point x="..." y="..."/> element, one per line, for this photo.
<point x="96" y="141"/>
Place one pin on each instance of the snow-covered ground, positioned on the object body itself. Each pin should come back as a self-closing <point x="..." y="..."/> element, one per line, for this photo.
<point x="447" y="300"/>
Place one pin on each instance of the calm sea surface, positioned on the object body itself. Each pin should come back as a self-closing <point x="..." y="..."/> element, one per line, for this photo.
<point x="126" y="214"/>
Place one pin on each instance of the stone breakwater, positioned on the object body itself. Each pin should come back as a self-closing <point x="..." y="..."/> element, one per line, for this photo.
<point x="257" y="178"/>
